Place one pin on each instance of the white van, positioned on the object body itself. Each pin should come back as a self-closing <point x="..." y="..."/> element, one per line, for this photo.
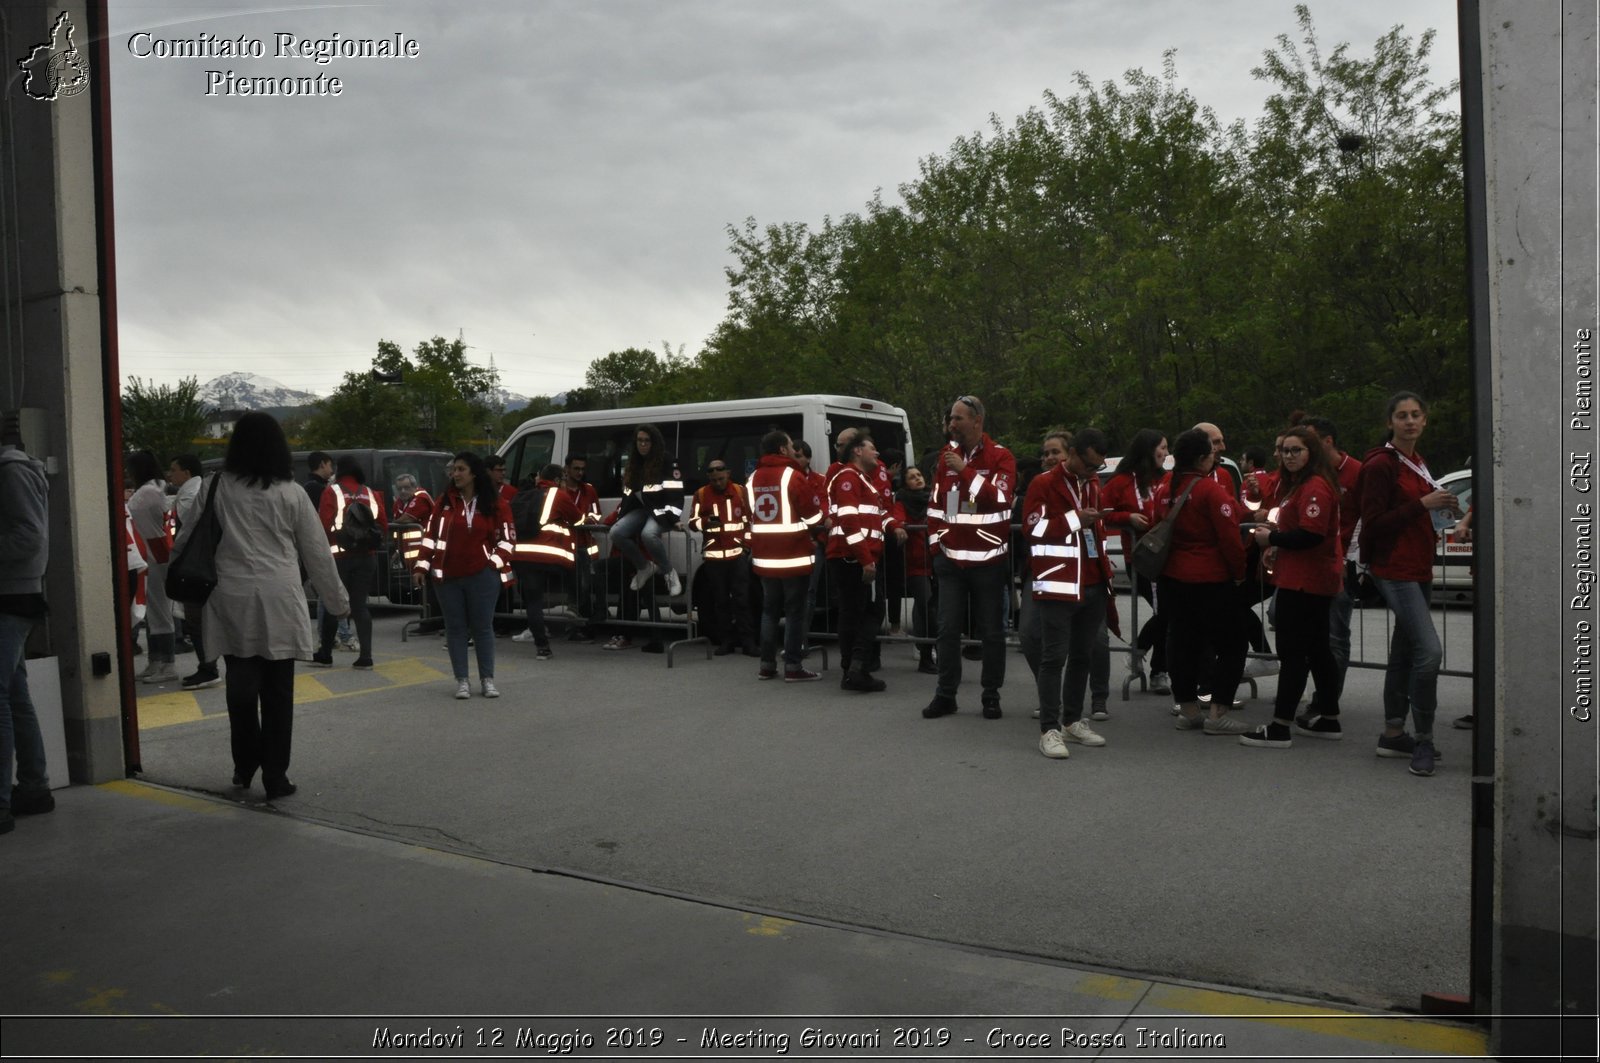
<point x="695" y="433"/>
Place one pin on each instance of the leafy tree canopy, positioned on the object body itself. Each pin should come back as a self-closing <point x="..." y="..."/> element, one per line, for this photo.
<point x="161" y="418"/>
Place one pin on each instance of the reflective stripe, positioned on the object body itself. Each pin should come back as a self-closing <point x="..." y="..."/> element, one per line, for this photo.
<point x="718" y="555"/>
<point x="974" y="555"/>
<point x="1053" y="587"/>
<point x="787" y="562"/>
<point x="1052" y="550"/>
<point x="975" y="518"/>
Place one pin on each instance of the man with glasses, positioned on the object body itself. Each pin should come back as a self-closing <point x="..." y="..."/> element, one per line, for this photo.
<point x="721" y="513"/>
<point x="969" y="536"/>
<point x="1070" y="581"/>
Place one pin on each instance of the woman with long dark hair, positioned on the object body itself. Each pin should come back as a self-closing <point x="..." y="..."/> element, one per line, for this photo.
<point x="1197" y="590"/>
<point x="1129" y="498"/>
<point x="256" y="617"/>
<point x="652" y="504"/>
<point x="1301" y="535"/>
<point x="1403" y="509"/>
<point x="467" y="552"/>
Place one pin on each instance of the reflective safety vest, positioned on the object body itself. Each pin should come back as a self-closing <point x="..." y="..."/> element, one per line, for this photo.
<point x="455" y="545"/>
<point x="784" y="511"/>
<point x="339" y="497"/>
<point x="969" y="513"/>
<point x="553" y="544"/>
<point x="858" y="515"/>
<point x="728" y="538"/>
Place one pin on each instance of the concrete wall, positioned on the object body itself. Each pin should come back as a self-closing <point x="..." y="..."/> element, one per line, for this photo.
<point x="1534" y="288"/>
<point x="55" y="361"/>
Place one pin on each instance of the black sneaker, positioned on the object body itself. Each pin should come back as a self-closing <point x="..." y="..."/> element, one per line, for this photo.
<point x="1464" y="723"/>
<point x="543" y="653"/>
<point x="991" y="708"/>
<point x="1314" y="725"/>
<point x="1403" y="746"/>
<point x="1268" y="736"/>
<point x="31" y="802"/>
<point x="201" y="681"/>
<point x="941" y="705"/>
<point x="653" y="646"/>
<point x="362" y="663"/>
<point x="1422" y="758"/>
<point x="322" y="660"/>
<point x="862" y="683"/>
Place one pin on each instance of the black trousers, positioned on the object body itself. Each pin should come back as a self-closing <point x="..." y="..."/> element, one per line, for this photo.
<point x="727" y="601"/>
<point x="1304" y="649"/>
<point x="532" y="580"/>
<point x="355" y="572"/>
<point x="858" y="627"/>
<point x="261" y="716"/>
<point x="1206" y="639"/>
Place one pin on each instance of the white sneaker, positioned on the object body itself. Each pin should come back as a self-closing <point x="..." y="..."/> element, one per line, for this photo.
<point x="163" y="672"/>
<point x="525" y="635"/>
<point x="1083" y="734"/>
<point x="1256" y="667"/>
<point x="1051" y="745"/>
<point x="489" y="689"/>
<point x="1160" y="683"/>
<point x="674" y="584"/>
<point x="463" y="690"/>
<point x="642" y="578"/>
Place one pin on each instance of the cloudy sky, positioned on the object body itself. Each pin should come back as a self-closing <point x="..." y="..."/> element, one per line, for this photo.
<point x="553" y="178"/>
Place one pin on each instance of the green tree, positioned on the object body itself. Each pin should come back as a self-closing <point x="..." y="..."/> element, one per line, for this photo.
<point x="162" y="419"/>
<point x="435" y="399"/>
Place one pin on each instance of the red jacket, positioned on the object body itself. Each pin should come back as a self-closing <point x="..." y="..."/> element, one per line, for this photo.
<point x="586" y="503"/>
<point x="969" y="513"/>
<point x="1397" y="536"/>
<point x="1059" y="542"/>
<point x="859" y="517"/>
<point x="553" y="544"/>
<point x="419" y="507"/>
<point x="344" y="492"/>
<point x="458" y="544"/>
<point x="728" y="534"/>
<point x="1268" y="495"/>
<point x="1349" y="473"/>
<point x="1122" y="498"/>
<point x="817" y="484"/>
<point x="784" y="512"/>
<point x="1206" y="545"/>
<point x="1318" y="569"/>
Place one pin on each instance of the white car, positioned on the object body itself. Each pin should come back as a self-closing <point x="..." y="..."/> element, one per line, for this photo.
<point x="1452" y="560"/>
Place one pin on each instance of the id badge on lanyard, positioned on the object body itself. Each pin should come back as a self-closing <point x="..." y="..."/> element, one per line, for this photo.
<point x="1091" y="548"/>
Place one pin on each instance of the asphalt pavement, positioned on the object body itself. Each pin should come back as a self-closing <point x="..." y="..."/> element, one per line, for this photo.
<point x="614" y="837"/>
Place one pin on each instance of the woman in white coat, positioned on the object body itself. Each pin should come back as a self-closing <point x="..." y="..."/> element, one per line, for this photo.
<point x="256" y="618"/>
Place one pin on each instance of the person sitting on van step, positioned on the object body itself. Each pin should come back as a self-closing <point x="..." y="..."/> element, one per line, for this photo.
<point x="652" y="503"/>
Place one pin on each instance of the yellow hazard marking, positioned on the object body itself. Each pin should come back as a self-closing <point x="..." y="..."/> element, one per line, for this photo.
<point x="309" y="688"/>
<point x="765" y="926"/>
<point x="130" y="788"/>
<point x="1110" y="987"/>
<point x="1418" y="1034"/>
<point x="101" y="1002"/>
<point x="164" y="710"/>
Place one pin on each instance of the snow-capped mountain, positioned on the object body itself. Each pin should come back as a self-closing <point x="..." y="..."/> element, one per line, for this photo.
<point x="247" y="391"/>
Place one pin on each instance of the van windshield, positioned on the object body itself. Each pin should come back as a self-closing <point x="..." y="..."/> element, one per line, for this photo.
<point x="429" y="469"/>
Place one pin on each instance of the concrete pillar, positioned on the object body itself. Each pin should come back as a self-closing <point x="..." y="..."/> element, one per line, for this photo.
<point x="56" y="361"/>
<point x="1529" y="78"/>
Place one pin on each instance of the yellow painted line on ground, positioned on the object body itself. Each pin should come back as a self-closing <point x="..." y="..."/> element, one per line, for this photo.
<point x="308" y="688"/>
<point x="130" y="788"/>
<point x="1417" y="1034"/>
<point x="766" y="926"/>
<point x="164" y="710"/>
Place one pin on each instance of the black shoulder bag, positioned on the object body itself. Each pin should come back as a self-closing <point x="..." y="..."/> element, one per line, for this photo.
<point x="192" y="573"/>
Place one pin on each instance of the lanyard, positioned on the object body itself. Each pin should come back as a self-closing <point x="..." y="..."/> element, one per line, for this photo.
<point x="471" y="510"/>
<point x="1420" y="470"/>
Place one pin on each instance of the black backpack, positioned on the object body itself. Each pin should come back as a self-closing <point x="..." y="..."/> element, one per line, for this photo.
<point x="359" y="532"/>
<point x="527" y="506"/>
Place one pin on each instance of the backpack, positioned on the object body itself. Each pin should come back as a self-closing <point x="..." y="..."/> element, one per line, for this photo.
<point x="359" y="531"/>
<point x="527" y="506"/>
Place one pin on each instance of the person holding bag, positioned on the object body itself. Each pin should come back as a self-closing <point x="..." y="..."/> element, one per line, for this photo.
<point x="256" y="617"/>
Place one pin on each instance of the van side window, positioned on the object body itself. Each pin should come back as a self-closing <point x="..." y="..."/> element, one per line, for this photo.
<point x="605" y="446"/>
<point x="888" y="435"/>
<point x="530" y="454"/>
<point x="736" y="440"/>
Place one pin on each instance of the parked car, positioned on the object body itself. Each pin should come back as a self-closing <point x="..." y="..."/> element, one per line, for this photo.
<point x="1452" y="562"/>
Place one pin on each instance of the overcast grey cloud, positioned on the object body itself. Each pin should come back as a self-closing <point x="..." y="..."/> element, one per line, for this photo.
<point x="554" y="177"/>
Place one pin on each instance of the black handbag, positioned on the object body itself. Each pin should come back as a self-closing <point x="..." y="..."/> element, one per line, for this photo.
<point x="1151" y="549"/>
<point x="192" y="573"/>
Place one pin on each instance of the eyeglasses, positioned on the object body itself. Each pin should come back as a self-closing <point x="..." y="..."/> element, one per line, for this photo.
<point x="718" y="468"/>
<point x="1290" y="452"/>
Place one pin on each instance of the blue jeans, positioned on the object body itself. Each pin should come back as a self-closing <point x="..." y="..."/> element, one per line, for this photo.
<point x="640" y="526"/>
<point x="468" y="605"/>
<point x="1412" y="678"/>
<point x="785" y="598"/>
<point x="19" y="724"/>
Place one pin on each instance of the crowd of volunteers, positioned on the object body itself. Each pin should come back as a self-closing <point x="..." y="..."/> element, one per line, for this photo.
<point x="941" y="543"/>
